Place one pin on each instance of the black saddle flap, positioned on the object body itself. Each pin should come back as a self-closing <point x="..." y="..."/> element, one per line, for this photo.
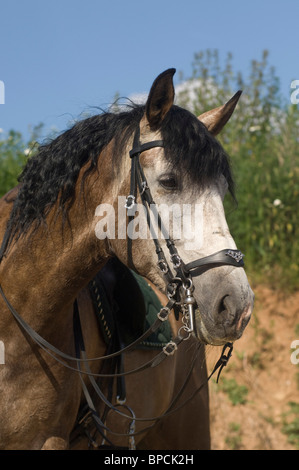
<point x="119" y="301"/>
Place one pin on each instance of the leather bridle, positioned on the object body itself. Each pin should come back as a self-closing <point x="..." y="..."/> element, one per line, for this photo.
<point x="179" y="284"/>
<point x="179" y="288"/>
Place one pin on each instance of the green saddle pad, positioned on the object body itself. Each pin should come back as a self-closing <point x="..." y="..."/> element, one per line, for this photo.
<point x="153" y="305"/>
<point x="129" y="304"/>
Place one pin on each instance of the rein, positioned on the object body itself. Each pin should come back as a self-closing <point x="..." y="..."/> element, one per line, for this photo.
<point x="179" y="288"/>
<point x="100" y="424"/>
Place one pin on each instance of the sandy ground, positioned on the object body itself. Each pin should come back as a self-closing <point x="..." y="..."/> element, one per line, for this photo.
<point x="261" y="363"/>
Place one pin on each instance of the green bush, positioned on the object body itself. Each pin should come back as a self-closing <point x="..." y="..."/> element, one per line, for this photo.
<point x="12" y="158"/>
<point x="14" y="152"/>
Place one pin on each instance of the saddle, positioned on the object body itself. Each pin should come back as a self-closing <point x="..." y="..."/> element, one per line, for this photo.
<point x="126" y="306"/>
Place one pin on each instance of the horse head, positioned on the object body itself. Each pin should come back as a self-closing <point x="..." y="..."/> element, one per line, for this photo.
<point x="185" y="173"/>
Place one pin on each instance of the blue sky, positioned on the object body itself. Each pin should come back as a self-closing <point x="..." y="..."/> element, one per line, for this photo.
<point x="59" y="58"/>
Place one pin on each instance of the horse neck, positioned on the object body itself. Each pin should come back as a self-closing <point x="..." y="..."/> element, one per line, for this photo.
<point x="50" y="268"/>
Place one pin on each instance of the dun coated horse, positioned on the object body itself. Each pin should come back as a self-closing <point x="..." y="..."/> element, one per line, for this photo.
<point x="58" y="233"/>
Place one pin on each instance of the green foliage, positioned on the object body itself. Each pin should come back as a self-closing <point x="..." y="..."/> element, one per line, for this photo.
<point x="13" y="156"/>
<point x="234" y="439"/>
<point x="235" y="392"/>
<point x="262" y="140"/>
<point x="291" y="424"/>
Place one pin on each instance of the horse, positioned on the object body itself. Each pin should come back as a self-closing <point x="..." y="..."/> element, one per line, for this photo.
<point x="63" y="224"/>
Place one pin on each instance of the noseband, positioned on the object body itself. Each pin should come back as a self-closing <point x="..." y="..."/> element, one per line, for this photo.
<point x="184" y="273"/>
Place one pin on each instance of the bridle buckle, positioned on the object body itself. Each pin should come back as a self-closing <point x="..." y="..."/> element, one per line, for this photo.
<point x="130" y="202"/>
<point x="176" y="260"/>
<point x="163" y="314"/>
<point x="163" y="266"/>
<point x="170" y="348"/>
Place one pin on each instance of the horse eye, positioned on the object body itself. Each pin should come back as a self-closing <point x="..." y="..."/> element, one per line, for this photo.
<point x="168" y="182"/>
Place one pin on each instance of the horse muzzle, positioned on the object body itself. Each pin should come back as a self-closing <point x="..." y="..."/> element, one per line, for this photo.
<point x="222" y="316"/>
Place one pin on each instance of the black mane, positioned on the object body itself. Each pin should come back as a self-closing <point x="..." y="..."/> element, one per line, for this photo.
<point x="51" y="174"/>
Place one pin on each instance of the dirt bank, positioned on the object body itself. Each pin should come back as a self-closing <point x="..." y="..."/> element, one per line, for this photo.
<point x="260" y="379"/>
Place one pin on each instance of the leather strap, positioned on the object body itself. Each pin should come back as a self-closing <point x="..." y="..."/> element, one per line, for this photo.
<point x="139" y="148"/>
<point x="223" y="257"/>
<point x="56" y="353"/>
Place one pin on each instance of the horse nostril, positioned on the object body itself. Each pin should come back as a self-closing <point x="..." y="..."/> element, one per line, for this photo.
<point x="222" y="308"/>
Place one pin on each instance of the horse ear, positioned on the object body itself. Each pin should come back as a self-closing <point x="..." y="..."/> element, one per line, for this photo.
<point x="160" y="99"/>
<point x="215" y="119"/>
